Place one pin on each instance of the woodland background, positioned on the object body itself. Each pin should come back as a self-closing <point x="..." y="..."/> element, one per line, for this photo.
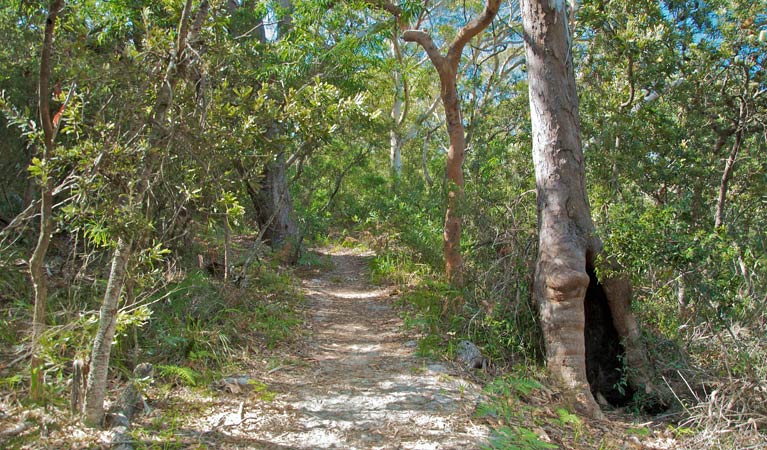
<point x="201" y="148"/>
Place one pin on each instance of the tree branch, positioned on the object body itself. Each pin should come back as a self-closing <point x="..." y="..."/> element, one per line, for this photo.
<point x="424" y="40"/>
<point x="472" y="29"/>
<point x="390" y="7"/>
<point x="183" y="32"/>
<point x="630" y="75"/>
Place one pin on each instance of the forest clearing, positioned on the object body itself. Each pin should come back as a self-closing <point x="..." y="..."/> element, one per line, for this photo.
<point x="416" y="224"/>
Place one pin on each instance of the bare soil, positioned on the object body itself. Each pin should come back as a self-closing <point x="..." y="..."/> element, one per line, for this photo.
<point x="354" y="382"/>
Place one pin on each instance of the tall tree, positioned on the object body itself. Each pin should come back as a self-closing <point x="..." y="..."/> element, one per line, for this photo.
<point x="272" y="200"/>
<point x="568" y="245"/>
<point x="46" y="201"/>
<point x="188" y="29"/>
<point x="447" y="68"/>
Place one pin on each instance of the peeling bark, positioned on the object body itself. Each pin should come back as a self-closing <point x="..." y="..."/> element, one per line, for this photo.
<point x="102" y="344"/>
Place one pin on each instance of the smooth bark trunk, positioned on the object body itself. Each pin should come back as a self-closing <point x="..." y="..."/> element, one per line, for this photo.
<point x="455" y="183"/>
<point x="568" y="245"/>
<point x="36" y="262"/>
<point x="397" y="115"/>
<point x="425" y="160"/>
<point x="447" y="68"/>
<point x="395" y="154"/>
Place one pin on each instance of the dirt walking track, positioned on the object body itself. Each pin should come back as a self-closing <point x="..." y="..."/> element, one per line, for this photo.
<point x="361" y="386"/>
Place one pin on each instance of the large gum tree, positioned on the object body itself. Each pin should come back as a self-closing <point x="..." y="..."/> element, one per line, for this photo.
<point x="572" y="302"/>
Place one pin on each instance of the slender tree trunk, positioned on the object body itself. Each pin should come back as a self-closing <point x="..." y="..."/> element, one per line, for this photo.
<point x="39" y="284"/>
<point x="447" y="68"/>
<point x="36" y="262"/>
<point x="395" y="153"/>
<point x="425" y="159"/>
<point x="397" y="115"/>
<point x="102" y="344"/>
<point x="729" y="168"/>
<point x="227" y="245"/>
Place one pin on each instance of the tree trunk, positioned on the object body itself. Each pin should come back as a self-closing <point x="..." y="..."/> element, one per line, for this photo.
<point x="395" y="153"/>
<point x="447" y="68"/>
<point x="274" y="205"/>
<point x="619" y="295"/>
<point x="158" y="134"/>
<point x="729" y="167"/>
<point x="272" y="201"/>
<point x="397" y="115"/>
<point x="568" y="245"/>
<point x="227" y="245"/>
<point x="564" y="220"/>
<point x="36" y="262"/>
<point x="454" y="170"/>
<point x="425" y="159"/>
<point x="102" y="343"/>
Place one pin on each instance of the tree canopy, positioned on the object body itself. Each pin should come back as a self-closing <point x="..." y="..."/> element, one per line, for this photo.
<point x="157" y="147"/>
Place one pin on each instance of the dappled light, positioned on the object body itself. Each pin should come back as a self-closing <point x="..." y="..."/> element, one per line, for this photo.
<point x="382" y="224"/>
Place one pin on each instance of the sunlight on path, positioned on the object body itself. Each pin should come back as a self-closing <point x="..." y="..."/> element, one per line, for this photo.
<point x="362" y="385"/>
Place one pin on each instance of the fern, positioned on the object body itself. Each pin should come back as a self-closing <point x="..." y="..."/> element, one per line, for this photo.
<point x="179" y="375"/>
<point x="519" y="438"/>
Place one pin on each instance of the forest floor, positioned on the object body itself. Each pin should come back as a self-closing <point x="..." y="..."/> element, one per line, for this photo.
<point x="353" y="381"/>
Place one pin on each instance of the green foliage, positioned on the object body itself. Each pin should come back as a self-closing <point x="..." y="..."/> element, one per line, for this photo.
<point x="261" y="391"/>
<point x="669" y="91"/>
<point x="512" y="385"/>
<point x="203" y="321"/>
<point x="12" y="382"/>
<point x="519" y="438"/>
<point x="184" y="376"/>
<point x="428" y="309"/>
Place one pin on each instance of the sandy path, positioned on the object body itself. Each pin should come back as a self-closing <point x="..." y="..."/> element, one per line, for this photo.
<point x="362" y="387"/>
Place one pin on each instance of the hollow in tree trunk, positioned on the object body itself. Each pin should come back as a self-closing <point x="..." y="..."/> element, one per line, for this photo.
<point x="568" y="245"/>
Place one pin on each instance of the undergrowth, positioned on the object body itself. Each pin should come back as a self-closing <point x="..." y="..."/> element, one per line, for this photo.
<point x="193" y="326"/>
